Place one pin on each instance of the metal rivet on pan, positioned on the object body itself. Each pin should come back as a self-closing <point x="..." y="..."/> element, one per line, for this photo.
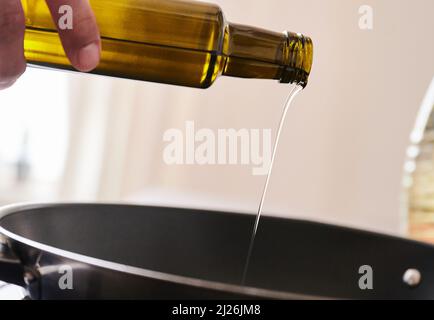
<point x="412" y="277"/>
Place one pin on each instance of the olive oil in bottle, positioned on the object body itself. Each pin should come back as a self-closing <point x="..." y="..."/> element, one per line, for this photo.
<point x="185" y="43"/>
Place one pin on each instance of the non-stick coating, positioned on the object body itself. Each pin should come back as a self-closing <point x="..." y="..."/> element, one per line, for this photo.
<point x="209" y="246"/>
<point x="289" y="255"/>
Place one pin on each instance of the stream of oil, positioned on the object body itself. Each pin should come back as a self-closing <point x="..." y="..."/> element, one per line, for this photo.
<point x="295" y="90"/>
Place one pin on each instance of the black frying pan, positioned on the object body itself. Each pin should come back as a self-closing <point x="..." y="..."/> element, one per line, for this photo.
<point x="121" y="251"/>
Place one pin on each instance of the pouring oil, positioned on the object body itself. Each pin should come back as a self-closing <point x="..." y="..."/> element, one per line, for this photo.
<point x="293" y="93"/>
<point x="185" y="43"/>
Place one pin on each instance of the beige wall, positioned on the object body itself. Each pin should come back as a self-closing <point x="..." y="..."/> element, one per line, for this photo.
<point x="343" y="148"/>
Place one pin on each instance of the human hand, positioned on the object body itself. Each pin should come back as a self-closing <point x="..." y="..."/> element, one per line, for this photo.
<point x="82" y="44"/>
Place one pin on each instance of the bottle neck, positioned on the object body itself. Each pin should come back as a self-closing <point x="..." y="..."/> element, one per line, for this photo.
<point x="257" y="53"/>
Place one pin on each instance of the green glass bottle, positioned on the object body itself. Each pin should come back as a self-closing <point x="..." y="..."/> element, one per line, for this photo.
<point x="185" y="43"/>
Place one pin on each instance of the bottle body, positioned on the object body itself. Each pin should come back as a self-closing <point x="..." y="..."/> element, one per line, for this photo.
<point x="168" y="41"/>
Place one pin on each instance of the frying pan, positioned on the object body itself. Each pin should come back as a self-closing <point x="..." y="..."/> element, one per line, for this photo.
<point x="104" y="251"/>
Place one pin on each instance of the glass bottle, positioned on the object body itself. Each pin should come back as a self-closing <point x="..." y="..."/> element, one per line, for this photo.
<point x="185" y="43"/>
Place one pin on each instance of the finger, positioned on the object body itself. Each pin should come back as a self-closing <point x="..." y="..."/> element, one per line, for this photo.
<point x="12" y="26"/>
<point x="6" y="84"/>
<point x="82" y="43"/>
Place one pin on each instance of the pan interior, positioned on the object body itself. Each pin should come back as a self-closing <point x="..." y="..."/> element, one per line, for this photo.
<point x="288" y="255"/>
<point x="200" y="244"/>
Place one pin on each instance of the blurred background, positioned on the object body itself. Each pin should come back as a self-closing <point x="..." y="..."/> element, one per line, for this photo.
<point x="347" y="154"/>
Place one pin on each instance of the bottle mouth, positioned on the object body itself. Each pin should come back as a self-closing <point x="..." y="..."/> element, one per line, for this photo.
<point x="298" y="58"/>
